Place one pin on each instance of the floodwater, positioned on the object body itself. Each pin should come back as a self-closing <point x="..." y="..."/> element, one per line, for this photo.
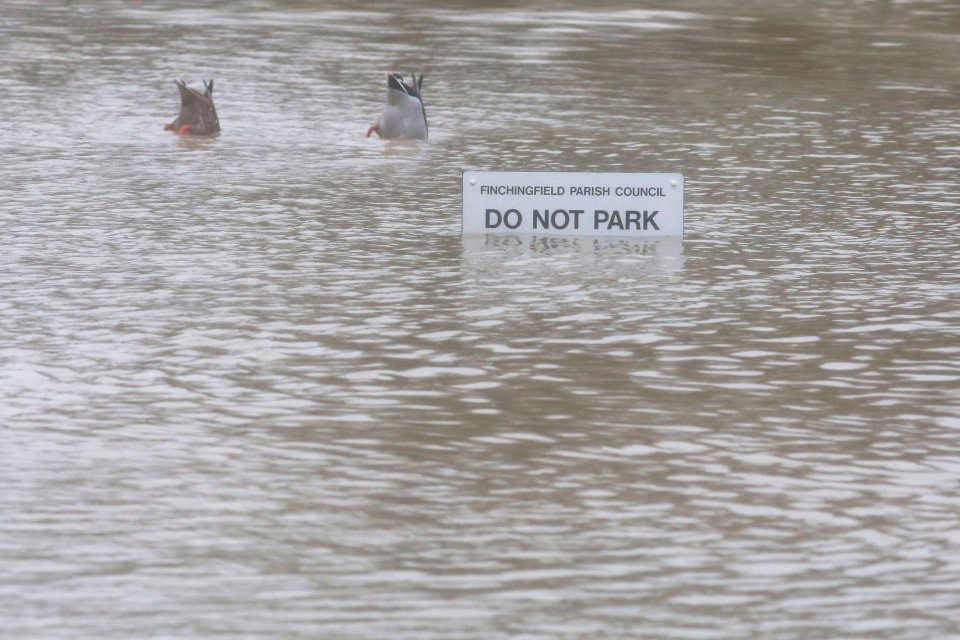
<point x="259" y="386"/>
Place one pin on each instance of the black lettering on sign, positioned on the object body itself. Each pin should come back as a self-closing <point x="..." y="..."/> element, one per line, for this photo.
<point x="615" y="221"/>
<point x="506" y="219"/>
<point x="556" y="219"/>
<point x="599" y="217"/>
<point x="576" y="217"/>
<point x="510" y="218"/>
<point x="560" y="219"/>
<point x="541" y="220"/>
<point x="648" y="220"/>
<point x="635" y="192"/>
<point x="631" y="220"/>
<point x="590" y="191"/>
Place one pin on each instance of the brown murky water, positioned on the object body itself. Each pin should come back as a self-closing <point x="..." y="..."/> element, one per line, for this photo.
<point x="259" y="387"/>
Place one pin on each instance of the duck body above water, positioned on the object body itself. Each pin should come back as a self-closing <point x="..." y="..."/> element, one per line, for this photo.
<point x="404" y="116"/>
<point x="197" y="116"/>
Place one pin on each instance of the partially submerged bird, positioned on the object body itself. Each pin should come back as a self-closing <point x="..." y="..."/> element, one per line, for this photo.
<point x="197" y="116"/>
<point x="403" y="116"/>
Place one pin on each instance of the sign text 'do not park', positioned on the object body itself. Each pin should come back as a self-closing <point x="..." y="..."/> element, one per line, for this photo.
<point x="641" y="205"/>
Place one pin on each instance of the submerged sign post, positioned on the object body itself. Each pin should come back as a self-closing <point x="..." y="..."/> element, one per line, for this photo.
<point x="636" y="205"/>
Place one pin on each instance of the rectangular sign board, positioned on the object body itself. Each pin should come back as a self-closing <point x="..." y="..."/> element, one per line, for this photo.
<point x="636" y="205"/>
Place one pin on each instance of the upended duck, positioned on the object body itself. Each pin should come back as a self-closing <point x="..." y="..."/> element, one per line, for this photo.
<point x="197" y="116"/>
<point x="403" y="115"/>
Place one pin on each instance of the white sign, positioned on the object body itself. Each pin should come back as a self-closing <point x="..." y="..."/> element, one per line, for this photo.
<point x="639" y="205"/>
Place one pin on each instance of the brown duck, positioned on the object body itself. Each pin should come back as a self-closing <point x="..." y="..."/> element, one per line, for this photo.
<point x="197" y="116"/>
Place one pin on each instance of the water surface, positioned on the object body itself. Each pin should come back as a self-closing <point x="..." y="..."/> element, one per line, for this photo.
<point x="259" y="386"/>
